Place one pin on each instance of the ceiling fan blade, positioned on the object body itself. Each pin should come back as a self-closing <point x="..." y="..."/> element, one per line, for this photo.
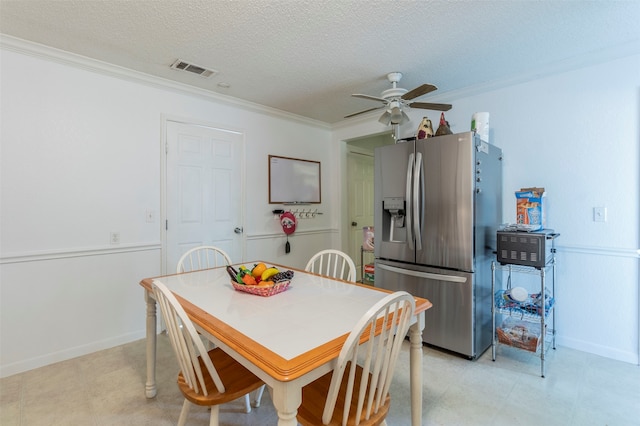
<point x="426" y="105"/>
<point x="362" y="112"/>
<point x="419" y="91"/>
<point x="372" y="98"/>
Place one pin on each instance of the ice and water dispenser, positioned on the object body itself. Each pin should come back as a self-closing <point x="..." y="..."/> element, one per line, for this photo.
<point x="393" y="219"/>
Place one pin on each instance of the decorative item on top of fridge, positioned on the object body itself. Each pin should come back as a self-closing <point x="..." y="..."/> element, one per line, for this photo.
<point x="480" y="125"/>
<point x="443" y="127"/>
<point x="425" y="129"/>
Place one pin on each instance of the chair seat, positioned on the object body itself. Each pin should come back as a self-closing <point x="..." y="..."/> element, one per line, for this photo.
<point x="236" y="378"/>
<point x="315" y="394"/>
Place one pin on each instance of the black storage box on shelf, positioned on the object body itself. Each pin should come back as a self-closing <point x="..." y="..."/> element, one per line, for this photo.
<point x="517" y="247"/>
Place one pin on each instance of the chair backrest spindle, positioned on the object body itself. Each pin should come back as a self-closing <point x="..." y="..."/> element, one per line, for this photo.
<point x="332" y="263"/>
<point x="389" y="319"/>
<point x="185" y="341"/>
<point x="202" y="257"/>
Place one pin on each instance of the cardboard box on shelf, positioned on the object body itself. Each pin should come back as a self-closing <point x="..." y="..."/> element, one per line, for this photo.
<point x="531" y="208"/>
<point x="520" y="334"/>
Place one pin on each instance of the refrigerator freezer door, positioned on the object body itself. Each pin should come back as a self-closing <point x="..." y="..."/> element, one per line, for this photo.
<point x="392" y="200"/>
<point x="448" y="203"/>
<point x="449" y="324"/>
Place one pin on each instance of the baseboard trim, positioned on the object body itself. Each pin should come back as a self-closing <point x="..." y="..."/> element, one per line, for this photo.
<point x="51" y="358"/>
<point x="603" y="351"/>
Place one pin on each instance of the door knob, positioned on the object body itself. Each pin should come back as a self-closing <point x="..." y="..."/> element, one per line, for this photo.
<point x="238" y="230"/>
<point x="354" y="223"/>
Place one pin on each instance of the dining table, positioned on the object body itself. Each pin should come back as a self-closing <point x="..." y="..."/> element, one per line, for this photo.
<point x="288" y="339"/>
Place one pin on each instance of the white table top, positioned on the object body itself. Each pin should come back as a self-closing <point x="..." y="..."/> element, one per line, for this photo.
<point x="311" y="312"/>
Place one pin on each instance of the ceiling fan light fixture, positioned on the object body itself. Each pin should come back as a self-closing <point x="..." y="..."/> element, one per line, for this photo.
<point x="396" y="115"/>
<point x="385" y="118"/>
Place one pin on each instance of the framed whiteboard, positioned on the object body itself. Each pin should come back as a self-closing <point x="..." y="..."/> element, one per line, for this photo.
<point x="292" y="180"/>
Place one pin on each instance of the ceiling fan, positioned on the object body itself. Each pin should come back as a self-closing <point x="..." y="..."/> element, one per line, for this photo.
<point x="397" y="98"/>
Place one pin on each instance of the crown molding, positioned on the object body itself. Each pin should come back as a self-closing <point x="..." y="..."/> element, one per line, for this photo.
<point x="582" y="61"/>
<point x="589" y="59"/>
<point x="63" y="57"/>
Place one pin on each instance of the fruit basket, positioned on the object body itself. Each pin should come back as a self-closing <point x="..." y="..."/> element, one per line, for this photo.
<point x="278" y="287"/>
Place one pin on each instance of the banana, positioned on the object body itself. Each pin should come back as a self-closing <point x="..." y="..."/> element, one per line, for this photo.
<point x="268" y="273"/>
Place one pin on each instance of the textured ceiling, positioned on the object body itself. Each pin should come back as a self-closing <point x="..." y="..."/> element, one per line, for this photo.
<point x="308" y="56"/>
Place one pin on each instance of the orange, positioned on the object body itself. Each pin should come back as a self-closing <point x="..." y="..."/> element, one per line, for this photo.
<point x="248" y="280"/>
<point x="258" y="270"/>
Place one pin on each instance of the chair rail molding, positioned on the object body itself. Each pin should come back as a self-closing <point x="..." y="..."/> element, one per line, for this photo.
<point x="601" y="251"/>
<point x="37" y="256"/>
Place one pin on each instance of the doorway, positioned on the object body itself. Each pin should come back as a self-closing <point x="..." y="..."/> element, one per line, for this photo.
<point x="202" y="191"/>
<point x="359" y="183"/>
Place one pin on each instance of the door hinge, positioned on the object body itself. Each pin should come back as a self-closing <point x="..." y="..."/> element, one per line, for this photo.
<point x="166" y="225"/>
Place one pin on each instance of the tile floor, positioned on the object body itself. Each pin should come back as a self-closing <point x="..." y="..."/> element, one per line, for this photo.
<point x="107" y="388"/>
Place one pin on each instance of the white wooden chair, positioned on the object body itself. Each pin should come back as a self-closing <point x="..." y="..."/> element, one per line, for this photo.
<point x="202" y="257"/>
<point x="206" y="378"/>
<point x="356" y="392"/>
<point x="332" y="263"/>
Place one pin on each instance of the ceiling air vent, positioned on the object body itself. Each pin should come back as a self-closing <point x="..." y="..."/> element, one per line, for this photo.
<point x="195" y="69"/>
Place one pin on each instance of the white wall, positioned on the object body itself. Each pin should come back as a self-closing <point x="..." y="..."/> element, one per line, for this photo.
<point x="80" y="158"/>
<point x="577" y="134"/>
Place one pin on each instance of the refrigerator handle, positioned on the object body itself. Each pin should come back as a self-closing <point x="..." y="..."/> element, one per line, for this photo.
<point x="409" y="201"/>
<point x="415" y="200"/>
<point x="429" y="275"/>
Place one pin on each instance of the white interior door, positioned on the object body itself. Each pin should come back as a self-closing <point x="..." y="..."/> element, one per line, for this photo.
<point x="203" y="190"/>
<point x="360" y="195"/>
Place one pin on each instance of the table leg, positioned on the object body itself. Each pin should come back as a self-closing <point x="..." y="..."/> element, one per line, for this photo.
<point x="150" y="387"/>
<point x="415" y="359"/>
<point x="287" y="397"/>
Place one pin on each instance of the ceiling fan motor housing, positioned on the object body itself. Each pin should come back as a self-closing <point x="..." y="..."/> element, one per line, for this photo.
<point x="395" y="92"/>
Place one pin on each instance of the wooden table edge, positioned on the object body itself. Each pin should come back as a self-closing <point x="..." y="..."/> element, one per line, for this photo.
<point x="274" y="365"/>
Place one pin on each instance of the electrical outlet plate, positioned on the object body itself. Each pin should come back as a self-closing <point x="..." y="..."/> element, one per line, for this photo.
<point x="114" y="237"/>
<point x="599" y="214"/>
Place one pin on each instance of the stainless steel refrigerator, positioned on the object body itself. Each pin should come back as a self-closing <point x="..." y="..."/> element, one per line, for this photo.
<point x="438" y="204"/>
